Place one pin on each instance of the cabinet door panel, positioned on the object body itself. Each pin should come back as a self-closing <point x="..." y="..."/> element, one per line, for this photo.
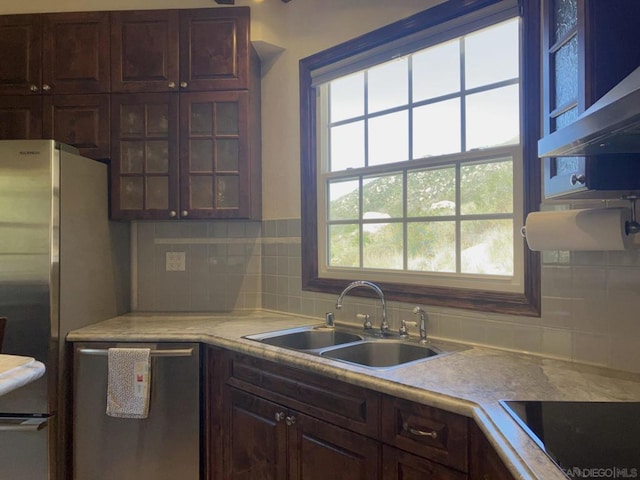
<point x="20" y="54"/>
<point x="256" y="438"/>
<point x="76" y="53"/>
<point x="400" y="465"/>
<point x="79" y="120"/>
<point x="20" y="117"/>
<point x="214" y="153"/>
<point x="144" y="165"/>
<point x="144" y="51"/>
<point x="214" y="47"/>
<point x="320" y="451"/>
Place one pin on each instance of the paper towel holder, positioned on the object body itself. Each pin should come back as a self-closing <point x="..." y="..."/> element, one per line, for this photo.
<point x="631" y="227"/>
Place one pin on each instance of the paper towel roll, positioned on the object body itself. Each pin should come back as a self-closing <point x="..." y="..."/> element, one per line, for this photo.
<point x="590" y="229"/>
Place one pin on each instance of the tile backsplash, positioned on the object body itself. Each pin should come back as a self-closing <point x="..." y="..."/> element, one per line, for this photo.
<point x="590" y="303"/>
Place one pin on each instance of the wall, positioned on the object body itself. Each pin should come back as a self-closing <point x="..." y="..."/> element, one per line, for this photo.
<point x="590" y="302"/>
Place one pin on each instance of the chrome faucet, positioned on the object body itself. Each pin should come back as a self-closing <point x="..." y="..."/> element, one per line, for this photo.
<point x="422" y="322"/>
<point x="384" y="325"/>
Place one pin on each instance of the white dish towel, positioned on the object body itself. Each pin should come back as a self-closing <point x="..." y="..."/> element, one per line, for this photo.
<point x="128" y="388"/>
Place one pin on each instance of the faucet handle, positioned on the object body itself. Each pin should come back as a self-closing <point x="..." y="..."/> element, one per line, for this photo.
<point x="404" y="331"/>
<point x="367" y="322"/>
<point x="329" y="320"/>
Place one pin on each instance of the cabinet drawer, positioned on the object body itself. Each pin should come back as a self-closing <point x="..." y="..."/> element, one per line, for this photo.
<point x="426" y="431"/>
<point x="399" y="465"/>
<point x="339" y="403"/>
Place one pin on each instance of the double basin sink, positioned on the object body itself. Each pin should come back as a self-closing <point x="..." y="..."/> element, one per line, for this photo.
<point x="359" y="348"/>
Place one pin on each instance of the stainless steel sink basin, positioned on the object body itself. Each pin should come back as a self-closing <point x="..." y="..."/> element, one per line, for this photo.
<point x="362" y="348"/>
<point x="307" y="338"/>
<point x="381" y="354"/>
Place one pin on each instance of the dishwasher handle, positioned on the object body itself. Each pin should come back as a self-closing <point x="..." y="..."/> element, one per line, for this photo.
<point x="174" y="352"/>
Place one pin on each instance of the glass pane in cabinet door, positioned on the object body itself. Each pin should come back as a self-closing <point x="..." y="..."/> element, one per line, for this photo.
<point x="227" y="118"/>
<point x="132" y="120"/>
<point x="157" y="157"/>
<point x="568" y="165"/>
<point x="565" y="18"/>
<point x="228" y="192"/>
<point x="227" y="153"/>
<point x="131" y="193"/>
<point x="201" y="118"/>
<point x="158" y="193"/>
<point x="131" y="157"/>
<point x="201" y="191"/>
<point x="201" y="155"/>
<point x="158" y="120"/>
<point x="565" y="118"/>
<point x="566" y="73"/>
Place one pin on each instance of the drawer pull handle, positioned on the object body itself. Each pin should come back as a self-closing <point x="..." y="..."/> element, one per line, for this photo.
<point x="279" y="416"/>
<point x="419" y="433"/>
<point x="291" y="420"/>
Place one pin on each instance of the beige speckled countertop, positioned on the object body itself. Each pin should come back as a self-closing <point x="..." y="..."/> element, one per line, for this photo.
<point x="470" y="381"/>
<point x="17" y="371"/>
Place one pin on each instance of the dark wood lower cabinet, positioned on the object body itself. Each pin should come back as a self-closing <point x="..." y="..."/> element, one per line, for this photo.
<point x="266" y="441"/>
<point x="401" y="465"/>
<point x="268" y="421"/>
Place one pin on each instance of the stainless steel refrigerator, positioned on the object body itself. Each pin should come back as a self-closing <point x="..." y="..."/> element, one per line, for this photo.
<point x="63" y="265"/>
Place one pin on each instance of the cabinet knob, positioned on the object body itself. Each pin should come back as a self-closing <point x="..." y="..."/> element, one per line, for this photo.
<point x="290" y="420"/>
<point x="33" y="88"/>
<point x="184" y="213"/>
<point x="279" y="416"/>
<point x="184" y="84"/>
<point x="577" y="178"/>
<point x="172" y="85"/>
<point x="173" y="213"/>
<point x="46" y="87"/>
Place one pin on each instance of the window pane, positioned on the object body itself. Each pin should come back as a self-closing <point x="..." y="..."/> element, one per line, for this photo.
<point x="486" y="188"/>
<point x="347" y="146"/>
<point x="436" y="129"/>
<point x="491" y="55"/>
<point x="344" y="200"/>
<point x="382" y="197"/>
<point x="431" y="192"/>
<point x="347" y="97"/>
<point x="493" y="118"/>
<point x="436" y="71"/>
<point x="431" y="247"/>
<point x="389" y="138"/>
<point x="388" y="85"/>
<point x="487" y="247"/>
<point x="344" y="246"/>
<point x="383" y="246"/>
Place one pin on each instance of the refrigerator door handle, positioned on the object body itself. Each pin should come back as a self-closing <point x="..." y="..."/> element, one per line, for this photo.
<point x="176" y="352"/>
<point x="22" y="424"/>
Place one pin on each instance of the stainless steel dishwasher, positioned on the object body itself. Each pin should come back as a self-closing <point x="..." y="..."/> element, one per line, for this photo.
<point x="163" y="446"/>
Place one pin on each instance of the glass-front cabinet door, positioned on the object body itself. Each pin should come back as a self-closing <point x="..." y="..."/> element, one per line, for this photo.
<point x="564" y="99"/>
<point x="144" y="167"/>
<point x="214" y="165"/>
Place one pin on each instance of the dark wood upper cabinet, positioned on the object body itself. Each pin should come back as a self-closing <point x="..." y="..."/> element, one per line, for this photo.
<point x="186" y="50"/>
<point x="20" y="54"/>
<point x="144" y="51"/>
<point x="75" y="54"/>
<point x="20" y="117"/>
<point x="587" y="47"/>
<point x="79" y="120"/>
<point x="214" y="49"/>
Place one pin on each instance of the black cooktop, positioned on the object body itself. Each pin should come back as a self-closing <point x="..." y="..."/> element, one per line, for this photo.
<point x="587" y="440"/>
